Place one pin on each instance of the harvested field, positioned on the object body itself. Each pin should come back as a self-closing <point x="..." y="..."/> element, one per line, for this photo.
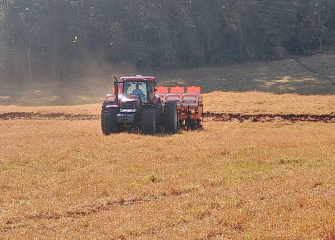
<point x="64" y="179"/>
<point x="262" y="168"/>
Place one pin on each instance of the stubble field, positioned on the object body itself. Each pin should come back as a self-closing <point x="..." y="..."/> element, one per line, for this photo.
<point x="60" y="178"/>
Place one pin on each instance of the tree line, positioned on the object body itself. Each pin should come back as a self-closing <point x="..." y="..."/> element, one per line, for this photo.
<point x="62" y="38"/>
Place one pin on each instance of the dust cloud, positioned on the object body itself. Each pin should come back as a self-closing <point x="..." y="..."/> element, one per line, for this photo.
<point x="94" y="83"/>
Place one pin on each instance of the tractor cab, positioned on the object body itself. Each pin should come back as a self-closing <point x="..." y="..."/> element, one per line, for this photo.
<point x="139" y="85"/>
<point x="136" y="88"/>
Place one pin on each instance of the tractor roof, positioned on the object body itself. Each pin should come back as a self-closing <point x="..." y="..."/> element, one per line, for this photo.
<point x="138" y="78"/>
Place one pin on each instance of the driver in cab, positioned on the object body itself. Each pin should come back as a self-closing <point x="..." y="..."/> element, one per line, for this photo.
<point x="139" y="92"/>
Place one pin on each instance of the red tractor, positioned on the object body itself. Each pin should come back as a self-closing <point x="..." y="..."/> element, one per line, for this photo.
<point x="134" y="105"/>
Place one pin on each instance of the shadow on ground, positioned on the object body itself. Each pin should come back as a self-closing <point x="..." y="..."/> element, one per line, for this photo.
<point x="313" y="75"/>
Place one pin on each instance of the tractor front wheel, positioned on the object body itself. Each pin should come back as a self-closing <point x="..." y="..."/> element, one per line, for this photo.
<point x="148" y="121"/>
<point x="108" y="120"/>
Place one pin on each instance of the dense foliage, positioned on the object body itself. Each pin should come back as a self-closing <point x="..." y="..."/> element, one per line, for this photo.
<point x="41" y="38"/>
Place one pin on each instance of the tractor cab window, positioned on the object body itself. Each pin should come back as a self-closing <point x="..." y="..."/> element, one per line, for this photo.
<point x="136" y="88"/>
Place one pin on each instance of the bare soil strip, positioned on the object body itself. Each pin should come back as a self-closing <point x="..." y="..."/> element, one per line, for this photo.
<point x="208" y="117"/>
<point x="46" y="116"/>
<point x="229" y="117"/>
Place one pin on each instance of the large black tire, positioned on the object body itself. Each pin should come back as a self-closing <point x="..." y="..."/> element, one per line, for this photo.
<point x="159" y="113"/>
<point x="148" y="121"/>
<point x="170" y="117"/>
<point x="108" y="120"/>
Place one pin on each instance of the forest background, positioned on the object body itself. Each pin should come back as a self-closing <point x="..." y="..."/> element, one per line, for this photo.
<point x="76" y="38"/>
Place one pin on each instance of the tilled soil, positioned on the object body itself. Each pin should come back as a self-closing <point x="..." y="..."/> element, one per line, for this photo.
<point x="207" y="117"/>
<point x="228" y="117"/>
<point x="46" y="116"/>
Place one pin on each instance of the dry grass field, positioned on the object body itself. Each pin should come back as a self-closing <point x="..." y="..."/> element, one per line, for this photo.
<point x="60" y="178"/>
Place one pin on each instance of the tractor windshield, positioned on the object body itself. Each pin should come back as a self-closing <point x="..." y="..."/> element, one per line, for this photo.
<point x="136" y="88"/>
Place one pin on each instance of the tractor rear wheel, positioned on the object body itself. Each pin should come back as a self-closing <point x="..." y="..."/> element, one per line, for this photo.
<point x="170" y="117"/>
<point x="148" y="121"/>
<point x="108" y="120"/>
